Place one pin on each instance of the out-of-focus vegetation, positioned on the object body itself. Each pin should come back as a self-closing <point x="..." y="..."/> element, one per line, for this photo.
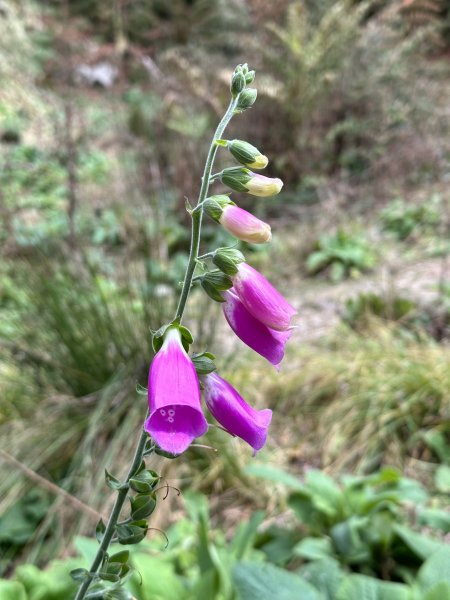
<point x="105" y="116"/>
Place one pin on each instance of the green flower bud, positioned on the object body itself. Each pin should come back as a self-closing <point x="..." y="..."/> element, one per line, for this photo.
<point x="249" y="77"/>
<point x="247" y="154"/>
<point x="214" y="205"/>
<point x="226" y="260"/>
<point x="246" y="99"/>
<point x="237" y="83"/>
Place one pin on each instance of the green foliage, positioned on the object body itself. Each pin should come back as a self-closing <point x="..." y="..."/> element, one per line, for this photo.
<point x="199" y="562"/>
<point x="368" y="397"/>
<point x="340" y="255"/>
<point x="359" y="521"/>
<point x="403" y="219"/>
<point x="360" y="310"/>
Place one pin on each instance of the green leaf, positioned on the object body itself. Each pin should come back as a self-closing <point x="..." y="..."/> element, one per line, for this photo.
<point x="142" y="506"/>
<point x="442" y="478"/>
<point x="435" y="518"/>
<point x="325" y="493"/>
<point x="360" y="587"/>
<point x="313" y="548"/>
<point x="273" y="474"/>
<point x="79" y="574"/>
<point x="421" y="545"/>
<point x="347" y="540"/>
<point x="159" y="580"/>
<point x="12" y="590"/>
<point x="440" y="591"/>
<point x="326" y="575"/>
<point x="263" y="581"/>
<point x="435" y="569"/>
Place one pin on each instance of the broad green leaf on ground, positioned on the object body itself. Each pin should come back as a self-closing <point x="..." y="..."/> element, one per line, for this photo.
<point x="325" y="575"/>
<point x="421" y="545"/>
<point x="263" y="581"/>
<point x="360" y="587"/>
<point x="436" y="569"/>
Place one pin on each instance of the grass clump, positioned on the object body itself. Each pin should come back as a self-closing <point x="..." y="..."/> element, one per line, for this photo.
<point x="369" y="398"/>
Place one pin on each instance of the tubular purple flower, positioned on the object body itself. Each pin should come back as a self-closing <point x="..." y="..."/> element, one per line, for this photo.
<point x="176" y="417"/>
<point x="261" y="299"/>
<point x="244" y="225"/>
<point x="234" y="414"/>
<point x="267" y="342"/>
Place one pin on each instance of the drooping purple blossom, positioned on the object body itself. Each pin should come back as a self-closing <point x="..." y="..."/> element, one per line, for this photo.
<point x="261" y="299"/>
<point x="267" y="342"/>
<point x="234" y="414"/>
<point x="244" y="225"/>
<point x="176" y="417"/>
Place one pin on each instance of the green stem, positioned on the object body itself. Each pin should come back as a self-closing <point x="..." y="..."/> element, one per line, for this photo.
<point x="113" y="518"/>
<point x="197" y="213"/>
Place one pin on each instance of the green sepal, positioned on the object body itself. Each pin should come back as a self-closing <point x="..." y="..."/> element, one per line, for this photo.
<point x="142" y="506"/>
<point x="243" y="152"/>
<point x="222" y="143"/>
<point x="160" y="452"/>
<point x="215" y="282"/>
<point x="112" y="577"/>
<point x="214" y="205"/>
<point x="246" y="99"/>
<point x="132" y="533"/>
<point x="113" y="483"/>
<point x="144" y="482"/>
<point x="204" y="363"/>
<point x="100" y="530"/>
<point x="80" y="574"/>
<point x="250" y="77"/>
<point x="141" y="390"/>
<point x="120" y="557"/>
<point x="227" y="259"/>
<point x="236" y="178"/>
<point x="158" y="336"/>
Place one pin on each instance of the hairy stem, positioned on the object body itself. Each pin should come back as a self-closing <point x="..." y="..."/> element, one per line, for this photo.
<point x="197" y="215"/>
<point x="114" y="516"/>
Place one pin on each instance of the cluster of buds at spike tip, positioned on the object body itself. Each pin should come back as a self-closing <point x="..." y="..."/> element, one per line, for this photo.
<point x="237" y="221"/>
<point x="241" y="179"/>
<point x="240" y="78"/>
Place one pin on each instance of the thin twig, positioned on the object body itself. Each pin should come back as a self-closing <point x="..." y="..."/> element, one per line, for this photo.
<point x="48" y="485"/>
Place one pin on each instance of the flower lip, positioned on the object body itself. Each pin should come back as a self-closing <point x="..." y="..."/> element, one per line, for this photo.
<point x="234" y="414"/>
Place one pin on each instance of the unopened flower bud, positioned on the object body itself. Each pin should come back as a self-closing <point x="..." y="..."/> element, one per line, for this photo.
<point x="214" y="205"/>
<point x="237" y="83"/>
<point x="244" y="180"/>
<point x="247" y="154"/>
<point x="259" y="185"/>
<point x="246" y="99"/>
<point x="227" y="259"/>
<point x="249" y="77"/>
<point x="244" y="225"/>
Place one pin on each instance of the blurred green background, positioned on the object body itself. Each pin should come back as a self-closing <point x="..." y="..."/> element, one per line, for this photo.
<point x="106" y="113"/>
